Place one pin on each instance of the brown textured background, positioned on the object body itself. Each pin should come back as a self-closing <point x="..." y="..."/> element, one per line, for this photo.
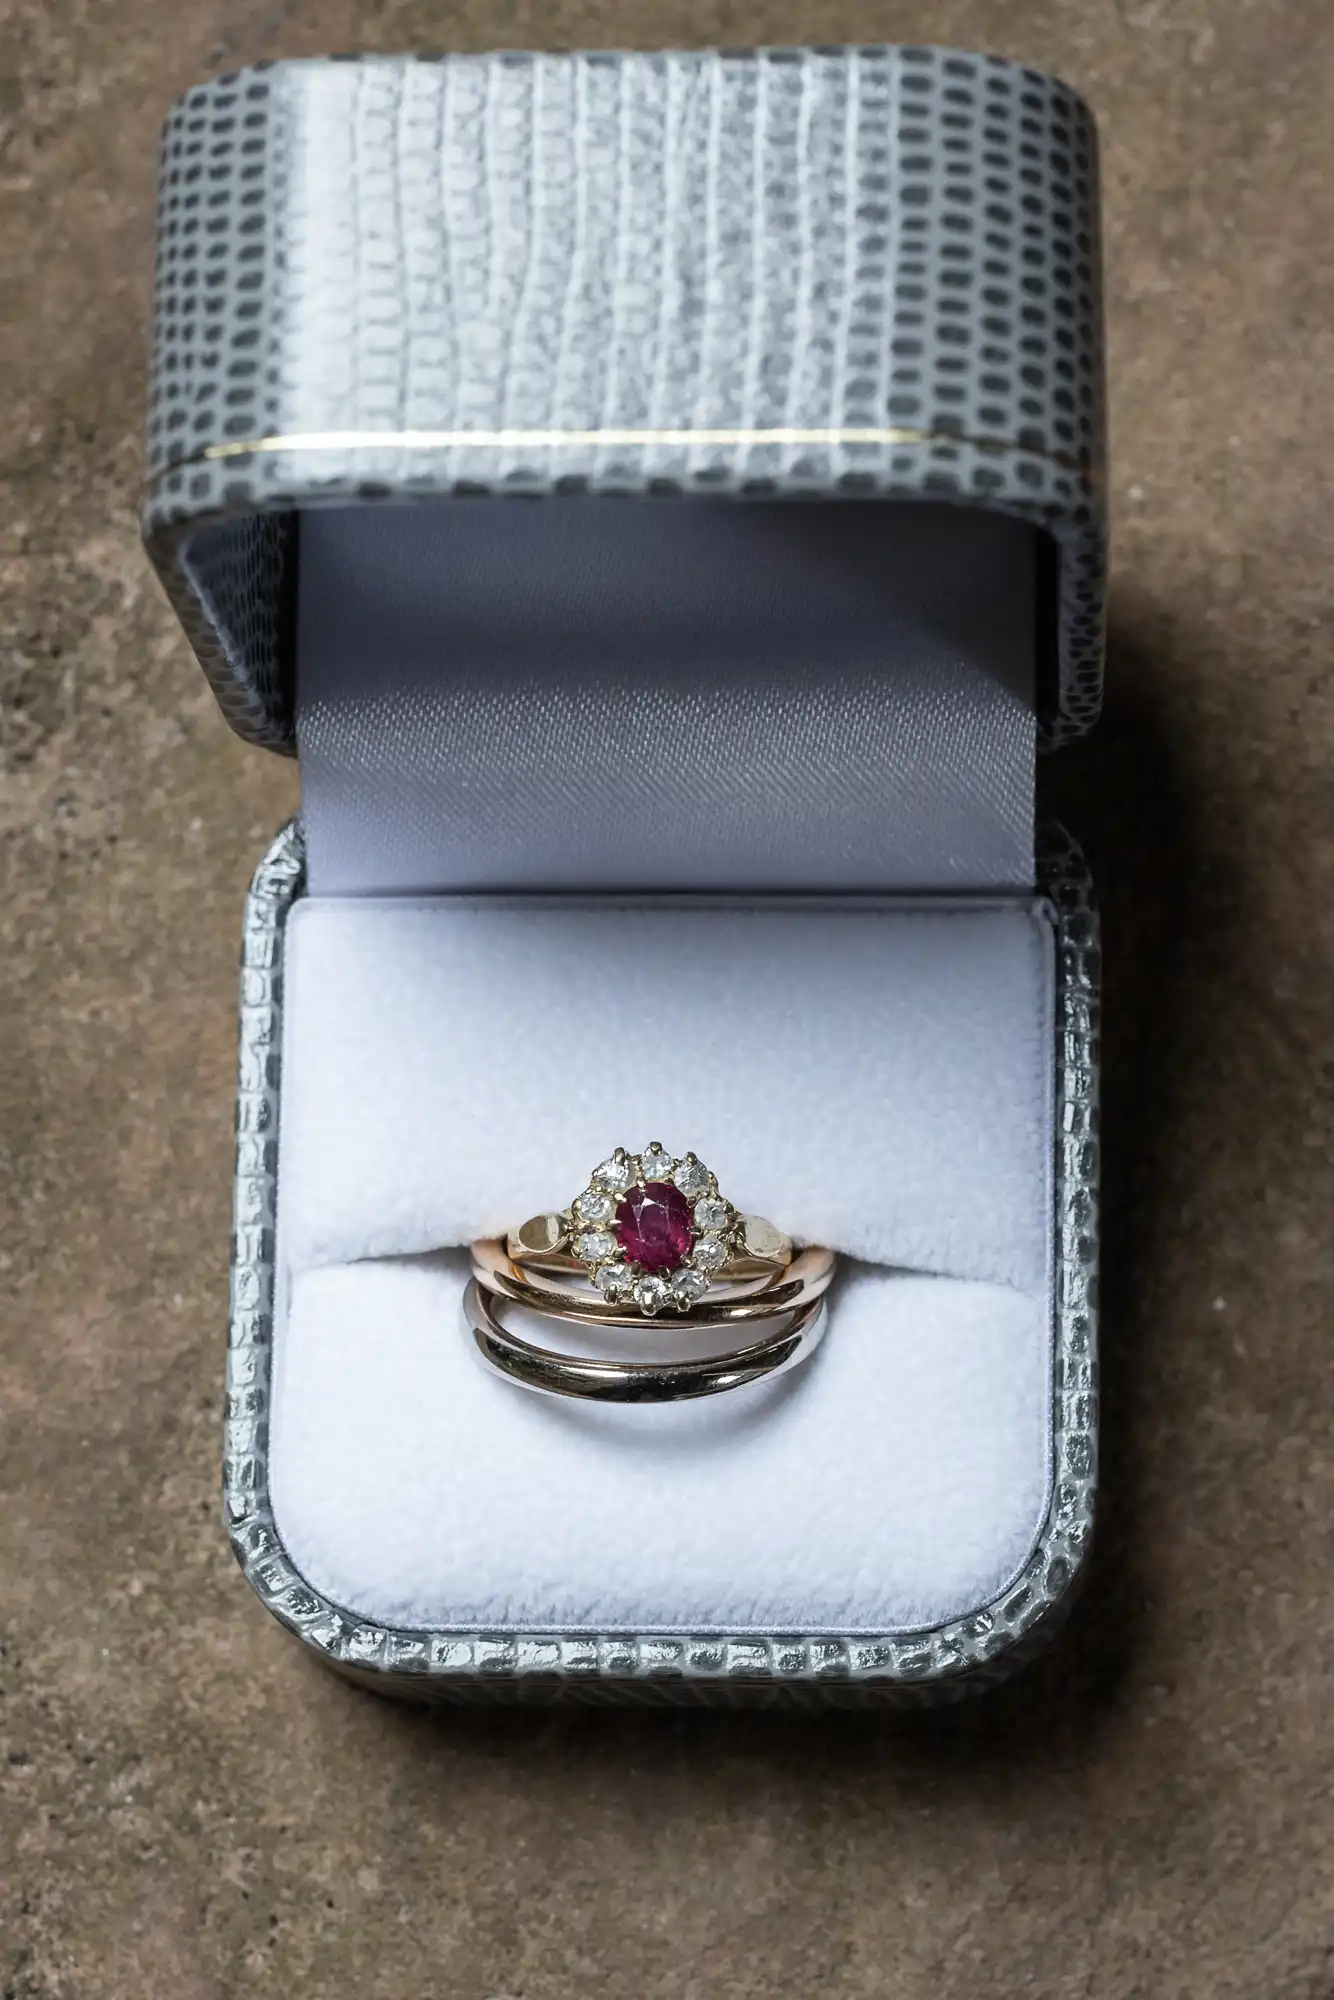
<point x="190" y="1808"/>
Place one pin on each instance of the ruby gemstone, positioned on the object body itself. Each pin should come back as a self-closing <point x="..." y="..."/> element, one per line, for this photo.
<point x="653" y="1226"/>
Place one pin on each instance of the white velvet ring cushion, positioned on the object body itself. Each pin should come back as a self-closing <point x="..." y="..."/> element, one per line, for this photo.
<point x="875" y="1076"/>
<point x="897" y="1480"/>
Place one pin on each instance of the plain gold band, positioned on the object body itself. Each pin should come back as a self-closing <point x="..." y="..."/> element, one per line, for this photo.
<point x="555" y="1374"/>
<point x="805" y="1278"/>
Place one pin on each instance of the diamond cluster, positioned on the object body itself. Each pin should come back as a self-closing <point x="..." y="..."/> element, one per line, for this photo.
<point x="653" y="1229"/>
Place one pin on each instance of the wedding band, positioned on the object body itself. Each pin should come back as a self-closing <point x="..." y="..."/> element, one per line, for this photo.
<point x="554" y="1373"/>
<point x="650" y="1234"/>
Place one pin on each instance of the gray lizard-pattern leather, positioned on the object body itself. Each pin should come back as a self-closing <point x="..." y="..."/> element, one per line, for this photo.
<point x="887" y="240"/>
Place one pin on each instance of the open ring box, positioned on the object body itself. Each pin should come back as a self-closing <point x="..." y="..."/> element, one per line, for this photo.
<point x="658" y="497"/>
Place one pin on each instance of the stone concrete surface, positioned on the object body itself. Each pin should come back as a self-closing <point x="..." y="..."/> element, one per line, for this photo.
<point x="187" y="1805"/>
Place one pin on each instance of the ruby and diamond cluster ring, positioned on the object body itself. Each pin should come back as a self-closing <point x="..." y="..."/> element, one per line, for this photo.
<point x="650" y="1238"/>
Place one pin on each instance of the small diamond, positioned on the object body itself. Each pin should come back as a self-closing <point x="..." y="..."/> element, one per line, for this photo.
<point x="692" y="1176"/>
<point x="593" y="1206"/>
<point x="616" y="1174"/>
<point x="612" y="1280"/>
<point x="712" y="1213"/>
<point x="711" y="1253"/>
<point x="687" y="1286"/>
<point x="655" y="1165"/>
<point x="594" y="1246"/>
<point x="650" y="1294"/>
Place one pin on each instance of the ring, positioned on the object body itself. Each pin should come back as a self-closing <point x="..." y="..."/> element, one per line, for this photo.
<point x="558" y="1374"/>
<point x="650" y="1233"/>
<point x="655" y="1231"/>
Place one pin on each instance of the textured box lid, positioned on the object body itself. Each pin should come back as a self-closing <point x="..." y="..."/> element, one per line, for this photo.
<point x="848" y="274"/>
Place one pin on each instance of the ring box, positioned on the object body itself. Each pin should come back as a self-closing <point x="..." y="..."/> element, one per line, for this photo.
<point x="660" y="498"/>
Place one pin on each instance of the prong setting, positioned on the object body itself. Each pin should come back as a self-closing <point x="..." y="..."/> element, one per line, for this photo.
<point x="652" y="1228"/>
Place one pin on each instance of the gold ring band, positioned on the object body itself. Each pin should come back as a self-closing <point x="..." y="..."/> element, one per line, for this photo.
<point x="807" y="1277"/>
<point x="593" y="1380"/>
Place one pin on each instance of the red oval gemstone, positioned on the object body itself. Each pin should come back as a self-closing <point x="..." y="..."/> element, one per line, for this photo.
<point x="653" y="1226"/>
